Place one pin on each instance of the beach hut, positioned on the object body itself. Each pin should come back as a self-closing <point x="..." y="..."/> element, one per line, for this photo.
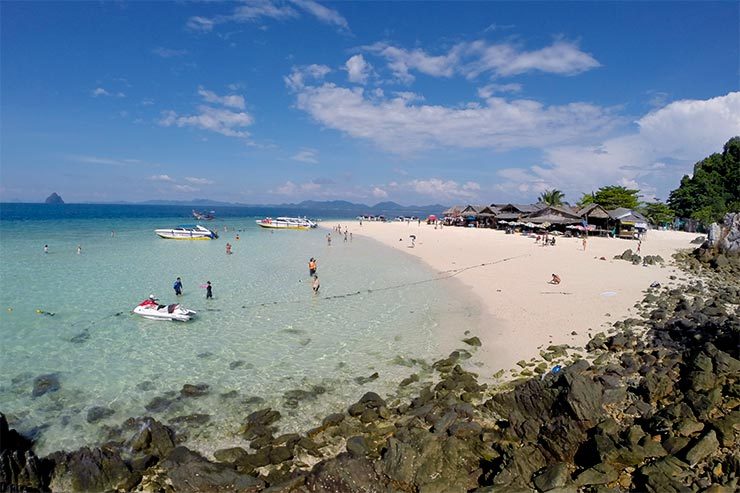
<point x="595" y="215"/>
<point x="556" y="216"/>
<point x="515" y="212"/>
<point x="630" y="223"/>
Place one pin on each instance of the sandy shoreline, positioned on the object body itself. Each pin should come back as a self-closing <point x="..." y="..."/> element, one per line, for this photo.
<point x="522" y="313"/>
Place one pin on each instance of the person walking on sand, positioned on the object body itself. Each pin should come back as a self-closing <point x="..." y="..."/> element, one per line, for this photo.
<point x="311" y="267"/>
<point x="209" y="290"/>
<point x="177" y="287"/>
<point x="639" y="244"/>
<point x="585" y="242"/>
<point x="316" y="284"/>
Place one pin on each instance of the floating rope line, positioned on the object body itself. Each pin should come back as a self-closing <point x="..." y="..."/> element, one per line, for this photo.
<point x="446" y="275"/>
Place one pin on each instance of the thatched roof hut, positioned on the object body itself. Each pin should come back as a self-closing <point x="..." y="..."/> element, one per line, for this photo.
<point x="554" y="215"/>
<point x="453" y="211"/>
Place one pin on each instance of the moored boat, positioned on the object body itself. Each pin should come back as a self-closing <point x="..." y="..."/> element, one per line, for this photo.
<point x="203" y="215"/>
<point x="187" y="232"/>
<point x="286" y="223"/>
<point x="149" y="308"/>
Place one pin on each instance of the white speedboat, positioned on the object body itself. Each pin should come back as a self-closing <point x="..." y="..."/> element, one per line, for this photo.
<point x="187" y="232"/>
<point x="286" y="223"/>
<point x="153" y="311"/>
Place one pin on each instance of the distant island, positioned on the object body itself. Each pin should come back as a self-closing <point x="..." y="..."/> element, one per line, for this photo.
<point x="54" y="198"/>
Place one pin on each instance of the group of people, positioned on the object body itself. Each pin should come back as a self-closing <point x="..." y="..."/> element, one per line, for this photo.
<point x="546" y="239"/>
<point x="177" y="286"/>
<point x="79" y="249"/>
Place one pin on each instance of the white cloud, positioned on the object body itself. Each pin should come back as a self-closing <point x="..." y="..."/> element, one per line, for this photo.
<point x="307" y="156"/>
<point x="322" y="13"/>
<point x="252" y="11"/>
<point x="358" y="70"/>
<point x="290" y="188"/>
<point x="298" y="77"/>
<point x="220" y="120"/>
<point x="489" y="90"/>
<point x="444" y="189"/>
<point x="168" y="52"/>
<point x="667" y="142"/>
<point x="472" y="59"/>
<point x="399" y="125"/>
<point x="99" y="91"/>
<point x="161" y="178"/>
<point x="198" y="181"/>
<point x="379" y="193"/>
<point x="104" y="160"/>
<point x="231" y="100"/>
<point x="185" y="188"/>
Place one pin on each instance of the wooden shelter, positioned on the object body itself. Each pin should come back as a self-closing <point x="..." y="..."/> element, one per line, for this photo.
<point x="554" y="215"/>
<point x="596" y="215"/>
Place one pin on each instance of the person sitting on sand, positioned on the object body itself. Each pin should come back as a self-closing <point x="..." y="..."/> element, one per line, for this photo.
<point x="555" y="279"/>
<point x="552" y="241"/>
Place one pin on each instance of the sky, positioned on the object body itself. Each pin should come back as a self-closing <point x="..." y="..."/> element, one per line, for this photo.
<point x="277" y="101"/>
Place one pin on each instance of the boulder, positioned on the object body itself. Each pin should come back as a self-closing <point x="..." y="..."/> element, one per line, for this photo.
<point x="197" y="390"/>
<point x="96" y="413"/>
<point x="97" y="469"/>
<point x="706" y="446"/>
<point x="44" y="384"/>
<point x="345" y="473"/>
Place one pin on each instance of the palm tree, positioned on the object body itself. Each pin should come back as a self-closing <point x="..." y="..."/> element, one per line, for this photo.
<point x="552" y="197"/>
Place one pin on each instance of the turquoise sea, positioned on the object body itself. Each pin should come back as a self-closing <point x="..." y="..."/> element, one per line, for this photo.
<point x="263" y="340"/>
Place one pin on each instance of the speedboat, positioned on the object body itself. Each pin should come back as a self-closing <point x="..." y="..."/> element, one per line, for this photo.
<point x="187" y="232"/>
<point x="286" y="223"/>
<point x="150" y="309"/>
<point x="203" y="215"/>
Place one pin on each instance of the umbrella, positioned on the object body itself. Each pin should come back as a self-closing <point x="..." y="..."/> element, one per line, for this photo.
<point x="530" y="225"/>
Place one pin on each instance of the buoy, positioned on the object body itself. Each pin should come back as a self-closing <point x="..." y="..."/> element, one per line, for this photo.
<point x="10" y="309"/>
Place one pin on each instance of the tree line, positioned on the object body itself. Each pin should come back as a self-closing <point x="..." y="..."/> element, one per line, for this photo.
<point x="712" y="191"/>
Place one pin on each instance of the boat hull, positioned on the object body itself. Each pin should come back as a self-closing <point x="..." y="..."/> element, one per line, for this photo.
<point x="286" y="223"/>
<point x="178" y="314"/>
<point x="169" y="236"/>
<point x="280" y="226"/>
<point x="186" y="232"/>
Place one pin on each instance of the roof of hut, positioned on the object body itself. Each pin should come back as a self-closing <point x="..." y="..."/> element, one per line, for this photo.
<point x="593" y="210"/>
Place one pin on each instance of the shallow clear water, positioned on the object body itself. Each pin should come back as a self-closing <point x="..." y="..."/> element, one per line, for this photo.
<point x="263" y="334"/>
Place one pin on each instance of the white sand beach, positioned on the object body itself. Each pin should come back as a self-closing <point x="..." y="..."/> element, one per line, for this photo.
<point x="522" y="312"/>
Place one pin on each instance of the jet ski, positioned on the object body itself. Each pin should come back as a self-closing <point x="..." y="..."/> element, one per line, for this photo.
<point x="149" y="308"/>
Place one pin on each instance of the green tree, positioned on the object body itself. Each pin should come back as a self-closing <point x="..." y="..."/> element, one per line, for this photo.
<point x="714" y="188"/>
<point x="611" y="197"/>
<point x="658" y="213"/>
<point x="552" y="197"/>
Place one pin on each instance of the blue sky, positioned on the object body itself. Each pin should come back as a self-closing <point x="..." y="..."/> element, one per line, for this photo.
<point x="417" y="102"/>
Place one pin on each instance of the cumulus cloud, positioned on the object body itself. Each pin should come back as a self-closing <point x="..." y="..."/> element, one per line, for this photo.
<point x="220" y="120"/>
<point x="358" y="70"/>
<point x="198" y="181"/>
<point x="444" y="189"/>
<point x="290" y="188"/>
<point x="99" y="91"/>
<point x="665" y="145"/>
<point x="161" y="178"/>
<point x="472" y="59"/>
<point x="185" y="188"/>
<point x="379" y="193"/>
<point x="307" y="156"/>
<point x="251" y="11"/>
<point x="231" y="100"/>
<point x="301" y="75"/>
<point x="402" y="125"/>
<point x="489" y="90"/>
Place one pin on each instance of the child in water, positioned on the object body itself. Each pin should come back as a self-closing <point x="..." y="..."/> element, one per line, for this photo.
<point x="209" y="290"/>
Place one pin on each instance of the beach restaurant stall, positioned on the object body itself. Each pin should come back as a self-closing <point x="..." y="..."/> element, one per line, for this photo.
<point x="554" y="217"/>
<point x="513" y="213"/>
<point x="595" y="219"/>
<point x="630" y="223"/>
<point x="452" y="216"/>
<point x="479" y="216"/>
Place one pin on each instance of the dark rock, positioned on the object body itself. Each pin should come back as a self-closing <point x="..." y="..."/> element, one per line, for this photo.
<point x="186" y="471"/>
<point x="372" y="400"/>
<point x="190" y="390"/>
<point x="80" y="338"/>
<point x="145" y="385"/>
<point x="727" y="428"/>
<point x="195" y="419"/>
<point x="364" y="380"/>
<point x="472" y="341"/>
<point x="54" y="198"/>
<point x="553" y="476"/>
<point x="45" y="383"/>
<point x="236" y="364"/>
<point x="345" y="473"/>
<point x="409" y="380"/>
<point x="358" y="446"/>
<point x="333" y="419"/>
<point x="664" y="475"/>
<point x="98" y="469"/>
<point x="599" y="474"/>
<point x="158" y="404"/>
<point x="230" y="455"/>
<point x="706" y="446"/>
<point x="293" y="398"/>
<point x="96" y="413"/>
<point x="151" y="437"/>
<point x="280" y="454"/>
<point x="673" y="445"/>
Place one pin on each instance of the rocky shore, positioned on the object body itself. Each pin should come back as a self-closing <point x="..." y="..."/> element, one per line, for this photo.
<point x="652" y="405"/>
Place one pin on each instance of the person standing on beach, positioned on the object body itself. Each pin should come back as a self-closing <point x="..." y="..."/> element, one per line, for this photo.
<point x="177" y="287"/>
<point x="639" y="244"/>
<point x="585" y="242"/>
<point x="311" y="267"/>
<point x="209" y="290"/>
<point x="46" y="248"/>
<point x="79" y="249"/>
<point x="316" y="284"/>
<point x="328" y="239"/>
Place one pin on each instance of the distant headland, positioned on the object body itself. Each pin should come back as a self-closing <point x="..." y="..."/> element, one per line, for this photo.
<point x="54" y="198"/>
